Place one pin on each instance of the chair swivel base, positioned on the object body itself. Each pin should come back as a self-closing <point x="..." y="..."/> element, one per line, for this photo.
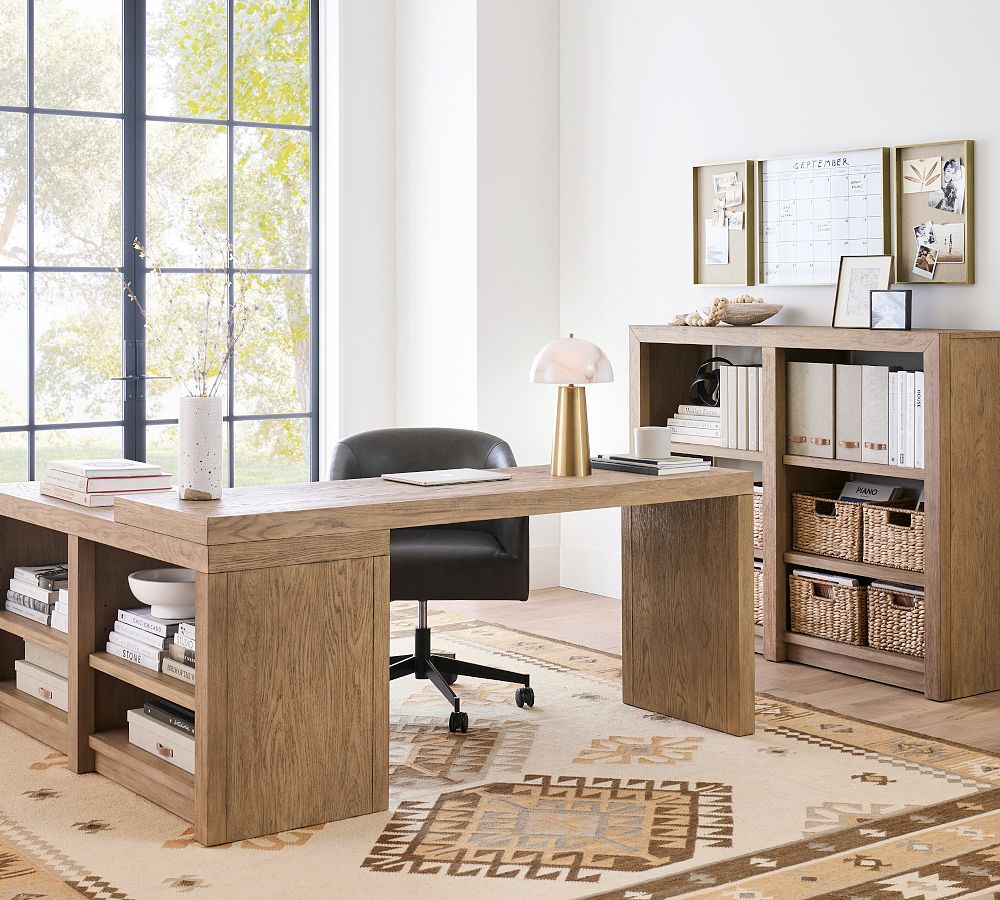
<point x="444" y="671"/>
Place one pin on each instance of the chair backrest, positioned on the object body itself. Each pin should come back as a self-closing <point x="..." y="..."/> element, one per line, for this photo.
<point x="373" y="453"/>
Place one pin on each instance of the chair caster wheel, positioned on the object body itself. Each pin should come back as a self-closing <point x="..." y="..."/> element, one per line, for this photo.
<point x="450" y="677"/>
<point x="458" y="721"/>
<point x="524" y="696"/>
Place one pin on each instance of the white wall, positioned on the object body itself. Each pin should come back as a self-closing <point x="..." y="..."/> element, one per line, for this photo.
<point x="649" y="89"/>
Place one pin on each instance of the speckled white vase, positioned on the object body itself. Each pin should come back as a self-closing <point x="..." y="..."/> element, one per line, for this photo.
<point x="199" y="475"/>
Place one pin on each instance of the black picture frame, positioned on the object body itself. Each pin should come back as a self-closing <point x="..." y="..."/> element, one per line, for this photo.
<point x="903" y="297"/>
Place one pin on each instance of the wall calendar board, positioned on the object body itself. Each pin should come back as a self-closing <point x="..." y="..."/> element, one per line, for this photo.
<point x="816" y="208"/>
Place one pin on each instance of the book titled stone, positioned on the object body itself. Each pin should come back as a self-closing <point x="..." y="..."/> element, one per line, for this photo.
<point x="178" y="670"/>
<point x="135" y="645"/>
<point x="141" y="619"/>
<point x="181" y="654"/>
<point x="171" y="714"/>
<point x="29" y="602"/>
<point x="150" y="660"/>
<point x="24" y="612"/>
<point x="150" y="640"/>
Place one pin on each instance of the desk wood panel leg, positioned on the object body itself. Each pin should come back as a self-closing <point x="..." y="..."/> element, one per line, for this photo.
<point x="82" y="642"/>
<point x="687" y="611"/>
<point x="284" y="699"/>
<point x="380" y="685"/>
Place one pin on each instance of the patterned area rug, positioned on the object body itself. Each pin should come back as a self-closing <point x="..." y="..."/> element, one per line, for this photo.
<point x="580" y="796"/>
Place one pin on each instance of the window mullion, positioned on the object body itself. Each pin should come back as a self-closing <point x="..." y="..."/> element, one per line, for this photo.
<point x="30" y="173"/>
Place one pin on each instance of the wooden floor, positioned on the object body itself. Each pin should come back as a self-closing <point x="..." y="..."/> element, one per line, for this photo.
<point x="595" y="621"/>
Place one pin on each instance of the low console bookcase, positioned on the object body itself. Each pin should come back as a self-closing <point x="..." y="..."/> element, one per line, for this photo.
<point x="961" y="480"/>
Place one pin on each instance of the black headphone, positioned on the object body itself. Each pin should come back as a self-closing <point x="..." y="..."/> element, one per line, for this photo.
<point x="704" y="390"/>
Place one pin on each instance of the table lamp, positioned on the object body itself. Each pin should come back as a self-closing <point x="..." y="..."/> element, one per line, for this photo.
<point x="571" y="363"/>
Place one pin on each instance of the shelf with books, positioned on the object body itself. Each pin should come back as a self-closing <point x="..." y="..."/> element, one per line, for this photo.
<point x="143" y="773"/>
<point x="864" y="662"/>
<point x="43" y="722"/>
<point x="857" y="467"/>
<point x="34" y="631"/>
<point x="717" y="452"/>
<point x="859" y="569"/>
<point x="154" y="682"/>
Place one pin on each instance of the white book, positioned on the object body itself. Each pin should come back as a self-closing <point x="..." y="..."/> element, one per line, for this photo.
<point x="826" y="576"/>
<point x="135" y="645"/>
<point x="894" y="418"/>
<point x="731" y="408"/>
<point x="54" y="576"/>
<point x="918" y="420"/>
<point x="741" y="407"/>
<point x="753" y="374"/>
<point x="724" y="401"/>
<point x="141" y="619"/>
<point x="701" y="424"/>
<point x="28" y="589"/>
<point x="61" y="608"/>
<point x="25" y="613"/>
<point x="178" y="670"/>
<point x="182" y="640"/>
<point x="77" y="497"/>
<point x="695" y="439"/>
<point x="154" y="641"/>
<point x="60" y="622"/>
<point x="104" y="468"/>
<point x="760" y="409"/>
<point x="909" y="406"/>
<point x="126" y="485"/>
<point x="695" y="432"/>
<point x="186" y="629"/>
<point x="149" y="660"/>
<point x="708" y="412"/>
<point x="64" y="595"/>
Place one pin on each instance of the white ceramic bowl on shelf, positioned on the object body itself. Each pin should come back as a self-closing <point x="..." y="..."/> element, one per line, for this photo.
<point x="169" y="593"/>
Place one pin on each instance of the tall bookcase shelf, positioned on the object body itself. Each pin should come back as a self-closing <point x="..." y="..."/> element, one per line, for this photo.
<point x="962" y="491"/>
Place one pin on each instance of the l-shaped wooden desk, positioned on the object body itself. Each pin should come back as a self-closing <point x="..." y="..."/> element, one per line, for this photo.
<point x="292" y="694"/>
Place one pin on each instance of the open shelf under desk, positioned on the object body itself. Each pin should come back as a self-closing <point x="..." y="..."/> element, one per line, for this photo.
<point x="145" y="679"/>
<point x="34" y="632"/>
<point x="680" y="449"/>
<point x="41" y="720"/>
<point x="864" y="662"/>
<point x="851" y="465"/>
<point x="861" y="570"/>
<point x="143" y="773"/>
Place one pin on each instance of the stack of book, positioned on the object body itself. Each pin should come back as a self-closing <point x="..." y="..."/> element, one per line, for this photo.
<point x="179" y="661"/>
<point x="143" y="639"/>
<point x="97" y="482"/>
<point x="34" y="593"/>
<point x="629" y="462"/>
<point x="695" y="425"/>
<point x="44" y="674"/>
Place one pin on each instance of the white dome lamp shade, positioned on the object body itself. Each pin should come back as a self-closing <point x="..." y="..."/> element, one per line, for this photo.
<point x="571" y="363"/>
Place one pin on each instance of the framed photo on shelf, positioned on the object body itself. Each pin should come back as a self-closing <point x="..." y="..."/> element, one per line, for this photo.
<point x="933" y="202"/>
<point x="891" y="309"/>
<point x="857" y="277"/>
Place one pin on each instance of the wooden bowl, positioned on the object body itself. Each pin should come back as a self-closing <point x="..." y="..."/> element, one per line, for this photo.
<point x="749" y="313"/>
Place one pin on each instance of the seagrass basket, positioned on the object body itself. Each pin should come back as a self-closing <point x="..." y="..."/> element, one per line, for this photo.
<point x="895" y="621"/>
<point x="758" y="518"/>
<point x="824" y="609"/>
<point x="825" y="525"/>
<point x="894" y="537"/>
<point x="758" y="596"/>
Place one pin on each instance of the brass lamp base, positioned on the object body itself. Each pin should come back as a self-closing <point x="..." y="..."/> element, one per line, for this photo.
<point x="571" y="445"/>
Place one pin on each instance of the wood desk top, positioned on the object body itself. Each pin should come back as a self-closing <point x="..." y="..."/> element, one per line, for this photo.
<point x="371" y="504"/>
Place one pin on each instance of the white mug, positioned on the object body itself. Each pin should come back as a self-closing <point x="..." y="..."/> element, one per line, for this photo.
<point x="652" y="441"/>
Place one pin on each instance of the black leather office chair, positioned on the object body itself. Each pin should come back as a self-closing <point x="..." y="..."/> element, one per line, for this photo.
<point x="468" y="561"/>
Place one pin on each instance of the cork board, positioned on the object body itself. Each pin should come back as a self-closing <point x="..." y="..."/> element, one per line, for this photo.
<point x="953" y="265"/>
<point x="739" y="270"/>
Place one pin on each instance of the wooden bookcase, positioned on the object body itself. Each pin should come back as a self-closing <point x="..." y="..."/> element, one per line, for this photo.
<point x="961" y="481"/>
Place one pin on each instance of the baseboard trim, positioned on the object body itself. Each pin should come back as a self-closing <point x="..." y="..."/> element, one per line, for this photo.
<point x="591" y="570"/>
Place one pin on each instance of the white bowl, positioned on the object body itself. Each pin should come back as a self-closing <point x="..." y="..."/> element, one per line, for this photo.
<point x="169" y="593"/>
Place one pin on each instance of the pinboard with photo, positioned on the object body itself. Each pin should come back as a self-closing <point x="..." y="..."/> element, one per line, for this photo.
<point x="934" y="221"/>
<point x="723" y="225"/>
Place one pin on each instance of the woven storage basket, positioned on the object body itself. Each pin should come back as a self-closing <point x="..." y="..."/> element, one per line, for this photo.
<point x="825" y="525"/>
<point x="894" y="536"/>
<point x="758" y="519"/>
<point x="758" y="596"/>
<point x="895" y="621"/>
<point x="824" y="609"/>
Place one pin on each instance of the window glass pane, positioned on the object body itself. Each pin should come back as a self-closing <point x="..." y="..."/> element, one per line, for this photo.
<point x="185" y="192"/>
<point x="13" y="52"/>
<point x="13" y="189"/>
<point x="78" y="191"/>
<point x="78" y="347"/>
<point x="76" y="443"/>
<point x="14" y="328"/>
<point x="275" y="451"/>
<point x="271" y="61"/>
<point x="162" y="445"/>
<point x="13" y="456"/>
<point x="271" y="198"/>
<point x="78" y="54"/>
<point x="273" y="358"/>
<point x="187" y="70"/>
<point x="187" y="325"/>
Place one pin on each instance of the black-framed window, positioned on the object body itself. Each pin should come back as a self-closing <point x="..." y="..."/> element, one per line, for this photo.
<point x="187" y="124"/>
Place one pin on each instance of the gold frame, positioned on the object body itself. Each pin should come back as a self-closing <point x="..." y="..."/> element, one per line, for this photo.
<point x="886" y="206"/>
<point x="903" y="273"/>
<point x="748" y="170"/>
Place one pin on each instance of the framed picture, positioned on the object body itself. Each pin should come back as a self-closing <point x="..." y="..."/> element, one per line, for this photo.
<point x="891" y="309"/>
<point x="857" y="277"/>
